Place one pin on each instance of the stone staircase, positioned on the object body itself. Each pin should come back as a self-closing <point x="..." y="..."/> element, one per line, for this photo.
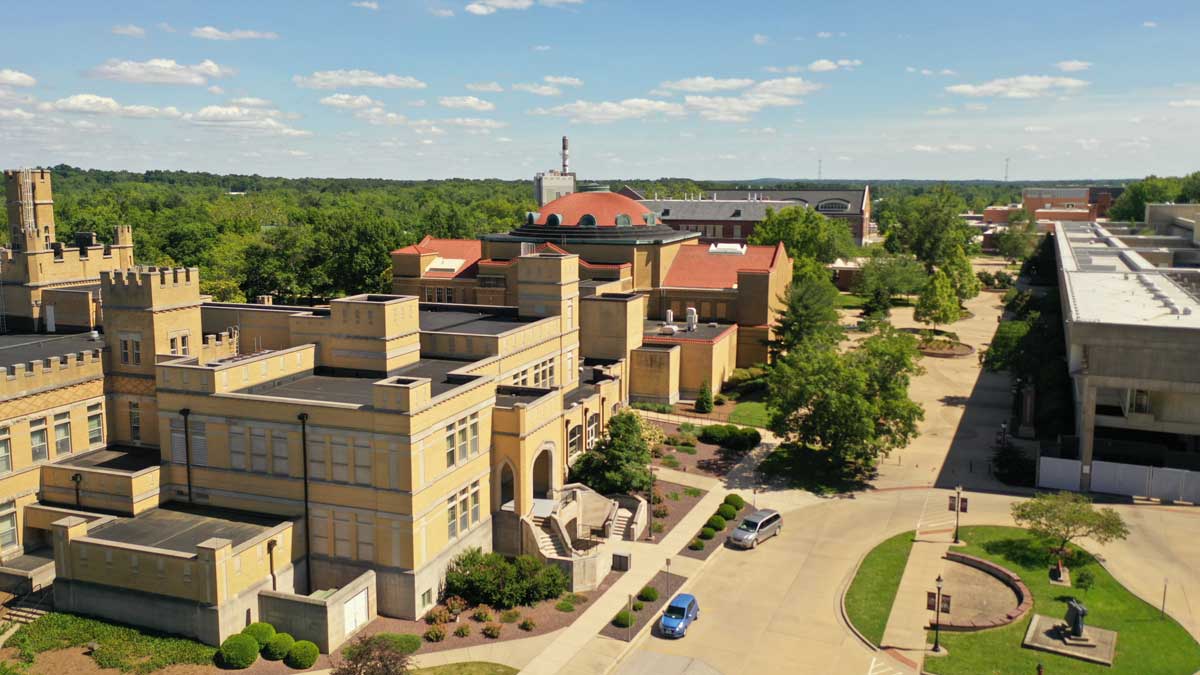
<point x="549" y="543"/>
<point x="620" y="527"/>
<point x="27" y="608"/>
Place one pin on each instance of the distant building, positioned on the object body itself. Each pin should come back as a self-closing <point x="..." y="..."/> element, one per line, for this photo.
<point x="553" y="184"/>
<point x="731" y="215"/>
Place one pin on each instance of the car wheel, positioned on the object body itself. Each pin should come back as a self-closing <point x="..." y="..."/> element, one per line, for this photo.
<point x="754" y="544"/>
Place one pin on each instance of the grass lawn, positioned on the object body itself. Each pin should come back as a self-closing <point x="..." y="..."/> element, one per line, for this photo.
<point x="1146" y="645"/>
<point x="818" y="472"/>
<point x="849" y="301"/>
<point x="468" y="668"/>
<point x="870" y="596"/>
<point x="132" y="650"/>
<point x="750" y="413"/>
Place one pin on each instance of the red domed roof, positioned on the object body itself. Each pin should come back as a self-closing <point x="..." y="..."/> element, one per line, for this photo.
<point x="603" y="206"/>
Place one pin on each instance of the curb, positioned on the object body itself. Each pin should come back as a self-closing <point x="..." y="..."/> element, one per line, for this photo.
<point x="846" y="588"/>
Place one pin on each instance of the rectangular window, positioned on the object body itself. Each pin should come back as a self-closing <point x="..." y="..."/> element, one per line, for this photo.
<point x="199" y="433"/>
<point x="8" y="525"/>
<point x="341" y="460"/>
<point x="5" y="451"/>
<point x="449" y="446"/>
<point x="135" y="422"/>
<point x="475" y="434"/>
<point x="178" y="451"/>
<point x="475" y="503"/>
<point x="362" y="465"/>
<point x="341" y="535"/>
<point x="174" y="345"/>
<point x="451" y="519"/>
<point x="137" y="352"/>
<point x="37" y="440"/>
<point x="449" y="295"/>
<point x="464" y="514"/>
<point x="428" y="294"/>
<point x="317" y="453"/>
<point x="320" y="531"/>
<point x="183" y="345"/>
<point x="279" y="453"/>
<point x="462" y="441"/>
<point x="427" y="597"/>
<point x="124" y="351"/>
<point x="62" y="434"/>
<point x="366" y="540"/>
<point x="237" y="448"/>
<point x="258" y="450"/>
<point x="95" y="424"/>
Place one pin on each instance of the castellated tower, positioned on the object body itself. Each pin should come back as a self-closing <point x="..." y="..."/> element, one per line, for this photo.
<point x="30" y="209"/>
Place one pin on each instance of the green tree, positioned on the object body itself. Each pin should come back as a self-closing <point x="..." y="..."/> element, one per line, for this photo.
<point x="1131" y="205"/>
<point x="1062" y="517"/>
<point x="889" y="359"/>
<point x="704" y="401"/>
<point x="930" y="226"/>
<point x="1016" y="241"/>
<point x="886" y="275"/>
<point x="961" y="273"/>
<point x="1189" y="188"/>
<point x="373" y="655"/>
<point x="809" y="309"/>
<point x="937" y="304"/>
<point x="620" y="462"/>
<point x="805" y="233"/>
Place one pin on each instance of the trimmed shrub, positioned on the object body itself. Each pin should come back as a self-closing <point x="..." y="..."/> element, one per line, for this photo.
<point x="648" y="594"/>
<point x="527" y="625"/>
<point x="624" y="619"/>
<point x="638" y="606"/>
<point x="671" y="462"/>
<point x="492" y="579"/>
<point x="719" y="399"/>
<point x="731" y="436"/>
<point x="302" y="655"/>
<point x="657" y="527"/>
<point x="278" y="647"/>
<point x="438" y="615"/>
<point x="707" y="533"/>
<point x="492" y="630"/>
<point x="704" y="402"/>
<point x="482" y="614"/>
<point x="715" y="433"/>
<point x="510" y="616"/>
<point x="692" y="491"/>
<point x="564" y="606"/>
<point x="727" y="512"/>
<point x="463" y="630"/>
<point x="696" y="545"/>
<point x="261" y="631"/>
<point x="652" y="407"/>
<point x="455" y="605"/>
<point x="687" y="449"/>
<point x="239" y="651"/>
<point x="661" y="511"/>
<point x="735" y="500"/>
<point x="435" y="633"/>
<point x="717" y="523"/>
<point x="673" y="496"/>
<point x="576" y="598"/>
<point x="403" y="643"/>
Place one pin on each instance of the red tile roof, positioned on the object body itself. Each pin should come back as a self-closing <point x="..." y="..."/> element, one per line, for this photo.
<point x="603" y="206"/>
<point x="467" y="250"/>
<point x="696" y="267"/>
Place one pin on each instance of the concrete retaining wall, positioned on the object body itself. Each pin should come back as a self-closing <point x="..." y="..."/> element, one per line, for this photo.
<point x="321" y="620"/>
<point x="1024" y="597"/>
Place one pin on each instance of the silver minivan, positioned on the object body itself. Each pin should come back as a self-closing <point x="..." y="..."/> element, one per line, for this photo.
<point x="757" y="527"/>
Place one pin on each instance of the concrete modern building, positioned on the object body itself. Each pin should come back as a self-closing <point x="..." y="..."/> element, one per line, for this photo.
<point x="555" y="183"/>
<point x="1131" y="308"/>
<point x="1050" y="205"/>
<point x="196" y="466"/>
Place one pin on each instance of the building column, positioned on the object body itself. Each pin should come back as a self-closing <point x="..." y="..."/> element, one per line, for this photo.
<point x="1087" y="433"/>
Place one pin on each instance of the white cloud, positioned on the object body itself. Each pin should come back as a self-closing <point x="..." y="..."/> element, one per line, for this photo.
<point x="485" y="86"/>
<point x="849" y="63"/>
<point x="784" y="69"/>
<point x="539" y="89"/>
<point x="782" y="92"/>
<point x="927" y="72"/>
<point x="350" y="101"/>
<point x="926" y="148"/>
<point x="485" y="7"/>
<point x="15" y="114"/>
<point x="160" y="71"/>
<point x="1037" y="129"/>
<point x="166" y="27"/>
<point x="1186" y="103"/>
<point x="335" y="79"/>
<point x="470" y="102"/>
<point x="419" y="103"/>
<point x="760" y="39"/>
<point x="91" y="104"/>
<point x="824" y="34"/>
<point x="366" y="4"/>
<point x="257" y="120"/>
<point x="1030" y="147"/>
<point x="1073" y="65"/>
<point x="15" y="78"/>
<point x="1149" y="24"/>
<point x="944" y="110"/>
<point x="442" y="13"/>
<point x="959" y="147"/>
<point x="563" y="80"/>
<point x="706" y="84"/>
<point x="129" y="30"/>
<point x="822" y="65"/>
<point x="603" y="112"/>
<point x="299" y="154"/>
<point x="1088" y="144"/>
<point x="541" y="48"/>
<point x="947" y="71"/>
<point x="380" y="117"/>
<point x="212" y="33"/>
<point x="250" y="102"/>
<point x="503" y="139"/>
<point x="215" y="90"/>
<point x="1022" y="86"/>
<point x="9" y="96"/>
<point x="909" y="69"/>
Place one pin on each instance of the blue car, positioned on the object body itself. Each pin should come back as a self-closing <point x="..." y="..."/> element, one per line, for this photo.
<point x="680" y="614"/>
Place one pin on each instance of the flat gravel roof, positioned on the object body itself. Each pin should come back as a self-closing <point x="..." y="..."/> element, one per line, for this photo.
<point x="25" y="347"/>
<point x="180" y="527"/>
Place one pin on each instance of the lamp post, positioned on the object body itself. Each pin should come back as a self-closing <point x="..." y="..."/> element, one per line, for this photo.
<point x="937" y="623"/>
<point x="957" y="510"/>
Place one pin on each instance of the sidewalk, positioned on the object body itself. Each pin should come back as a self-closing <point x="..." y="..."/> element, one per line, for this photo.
<point x="514" y="653"/>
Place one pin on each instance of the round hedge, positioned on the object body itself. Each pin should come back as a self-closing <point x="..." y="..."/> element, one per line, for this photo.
<point x="648" y="594"/>
<point x="261" y="631"/>
<point x="239" y="651"/>
<point x="727" y="512"/>
<point x="717" y="523"/>
<point x="706" y="533"/>
<point x="696" y="545"/>
<point x="735" y="500"/>
<point x="624" y="619"/>
<point x="302" y="655"/>
<point x="278" y="647"/>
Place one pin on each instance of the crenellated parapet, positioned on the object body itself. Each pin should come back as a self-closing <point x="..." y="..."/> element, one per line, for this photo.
<point x="24" y="379"/>
<point x="219" y="346"/>
<point x="151" y="287"/>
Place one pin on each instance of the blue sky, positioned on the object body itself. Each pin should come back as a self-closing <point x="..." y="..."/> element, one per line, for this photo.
<point x="439" y="88"/>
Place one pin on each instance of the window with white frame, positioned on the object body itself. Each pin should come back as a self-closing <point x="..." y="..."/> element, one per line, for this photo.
<point x="8" y="525"/>
<point x="339" y="455"/>
<point x="341" y="535"/>
<point x="131" y="348"/>
<point x="452" y="518"/>
<point x="316" y="460"/>
<point x="365" y="532"/>
<point x="279" y="453"/>
<point x="37" y="439"/>
<point x="362" y="465"/>
<point x="475" y="502"/>
<point x="462" y="440"/>
<point x="575" y="439"/>
<point x="319" y="520"/>
<point x="593" y="430"/>
<point x="5" y="451"/>
<point x="237" y="447"/>
<point x="258" y="450"/>
<point x="62" y="433"/>
<point x="95" y="423"/>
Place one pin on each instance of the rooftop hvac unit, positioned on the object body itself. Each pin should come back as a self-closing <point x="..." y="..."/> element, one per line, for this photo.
<point x="669" y="329"/>
<point x="670" y="316"/>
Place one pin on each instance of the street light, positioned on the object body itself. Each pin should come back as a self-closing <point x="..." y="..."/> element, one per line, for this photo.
<point x="957" y="510"/>
<point x="937" y="624"/>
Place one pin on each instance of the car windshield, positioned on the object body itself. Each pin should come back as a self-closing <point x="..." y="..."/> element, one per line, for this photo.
<point x="675" y="612"/>
<point x="749" y="525"/>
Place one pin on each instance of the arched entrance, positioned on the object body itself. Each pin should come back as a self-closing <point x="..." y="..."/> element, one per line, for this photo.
<point x="542" y="477"/>
<point x="507" y="485"/>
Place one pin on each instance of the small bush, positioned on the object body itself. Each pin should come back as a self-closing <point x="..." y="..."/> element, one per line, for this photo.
<point x="657" y="527"/>
<point x="652" y="407"/>
<point x="624" y="619"/>
<point x="438" y="615"/>
<point x="717" y="523"/>
<point x="648" y="594"/>
<point x="731" y="436"/>
<point x="671" y="462"/>
<point x="402" y="643"/>
<point x="707" y="533"/>
<point x="656" y="452"/>
<point x="492" y="630"/>
<point x="715" y="434"/>
<point x="456" y="605"/>
<point x="261" y="631"/>
<point x="239" y="651"/>
<point x="656" y="497"/>
<point x="510" y="616"/>
<point x="576" y="598"/>
<point x="463" y="630"/>
<point x="278" y="647"/>
<point x="673" y="496"/>
<point x="638" y="606"/>
<point x="719" y="399"/>
<point x="692" y="491"/>
<point x="302" y="655"/>
<point x="564" y="606"/>
<point x="688" y="427"/>
<point x="696" y="545"/>
<point x="735" y="500"/>
<point x="687" y="449"/>
<point x="661" y="511"/>
<point x="527" y="625"/>
<point x="727" y="512"/>
<point x="435" y="633"/>
<point x="482" y="614"/>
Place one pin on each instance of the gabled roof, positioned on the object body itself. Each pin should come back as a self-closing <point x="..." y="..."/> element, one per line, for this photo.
<point x="460" y="256"/>
<point x="700" y="266"/>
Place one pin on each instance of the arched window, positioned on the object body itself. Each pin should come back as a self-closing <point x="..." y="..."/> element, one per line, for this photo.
<point x="833" y="206"/>
<point x="593" y="430"/>
<point x="623" y="220"/>
<point x="587" y="220"/>
<point x="554" y="220"/>
<point x="531" y="218"/>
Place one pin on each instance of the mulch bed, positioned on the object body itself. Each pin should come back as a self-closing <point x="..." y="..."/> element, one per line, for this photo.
<point x="956" y="350"/>
<point x="709" y="460"/>
<point x="666" y="584"/>
<point x="710" y="546"/>
<point x="544" y="614"/>
<point x="676" y="508"/>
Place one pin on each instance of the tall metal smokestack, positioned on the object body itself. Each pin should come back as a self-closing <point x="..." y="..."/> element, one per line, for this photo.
<point x="566" y="157"/>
